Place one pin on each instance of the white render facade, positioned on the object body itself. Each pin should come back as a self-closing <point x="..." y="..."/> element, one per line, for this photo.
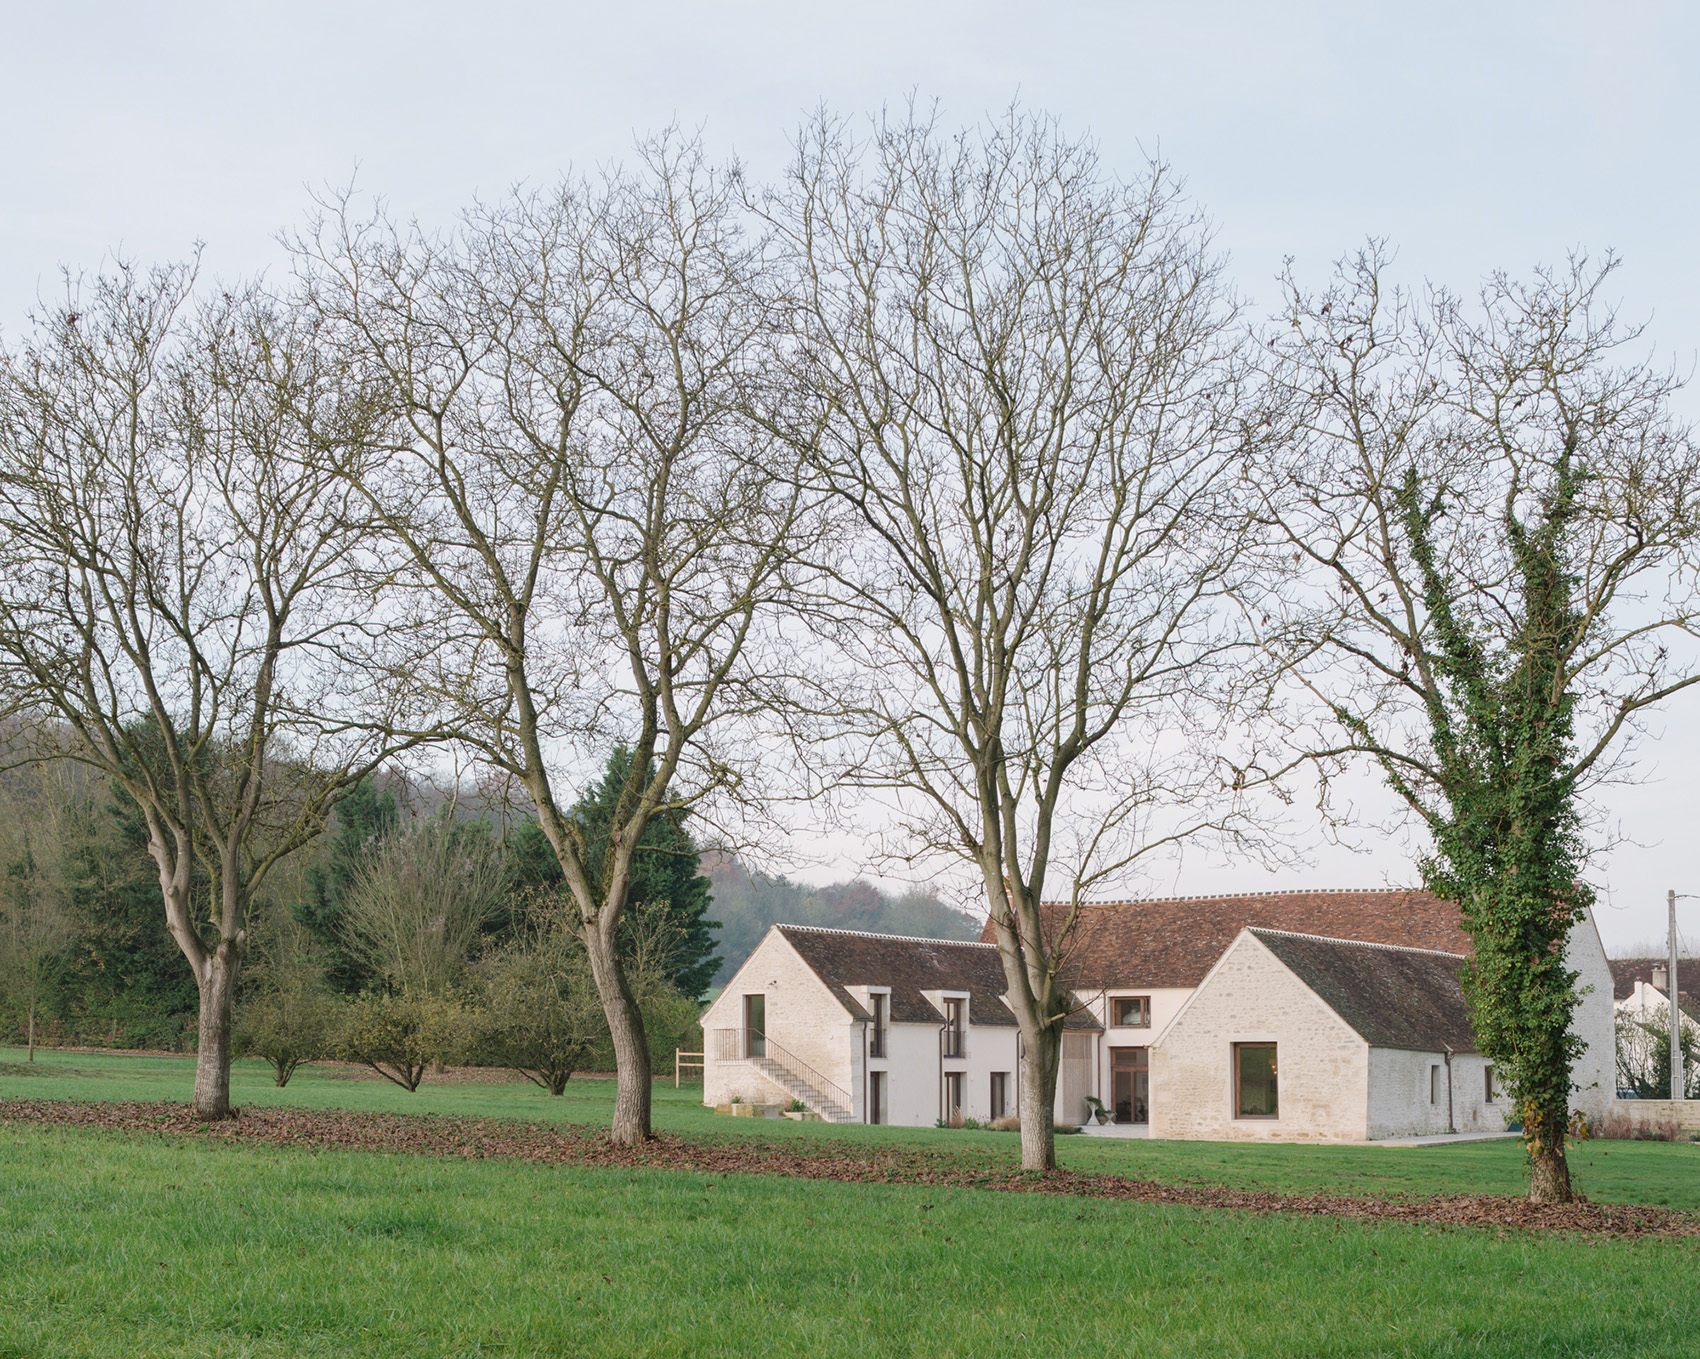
<point x="864" y="1052"/>
<point x="1164" y="1059"/>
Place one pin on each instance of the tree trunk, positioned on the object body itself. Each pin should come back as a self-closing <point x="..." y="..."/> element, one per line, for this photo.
<point x="632" y="1076"/>
<point x="1039" y="1054"/>
<point x="1549" y="1172"/>
<point x="32" y="1028"/>
<point x="212" y="1058"/>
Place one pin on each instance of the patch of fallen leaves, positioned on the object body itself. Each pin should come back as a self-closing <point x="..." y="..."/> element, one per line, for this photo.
<point x="551" y="1144"/>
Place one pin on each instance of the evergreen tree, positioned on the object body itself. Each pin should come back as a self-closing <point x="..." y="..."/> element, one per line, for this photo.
<point x="363" y="819"/>
<point x="124" y="979"/>
<point x="666" y="876"/>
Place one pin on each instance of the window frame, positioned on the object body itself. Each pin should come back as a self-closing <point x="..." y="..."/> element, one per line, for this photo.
<point x="878" y="1036"/>
<point x="1117" y="1014"/>
<point x="952" y="1085"/>
<point x="954" y="1042"/>
<point x="1275" y="1083"/>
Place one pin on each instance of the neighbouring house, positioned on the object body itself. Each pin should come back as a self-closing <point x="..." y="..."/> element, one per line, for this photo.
<point x="1641" y="988"/>
<point x="1641" y="997"/>
<point x="1286" y="1016"/>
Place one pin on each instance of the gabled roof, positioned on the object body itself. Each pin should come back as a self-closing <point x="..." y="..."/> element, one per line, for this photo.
<point x="1393" y="997"/>
<point x="846" y="958"/>
<point x="1625" y="972"/>
<point x="1173" y="942"/>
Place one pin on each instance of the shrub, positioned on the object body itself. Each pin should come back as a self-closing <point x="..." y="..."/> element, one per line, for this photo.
<point x="1011" y="1123"/>
<point x="400" y="1037"/>
<point x="1623" y="1127"/>
<point x="287" y="1024"/>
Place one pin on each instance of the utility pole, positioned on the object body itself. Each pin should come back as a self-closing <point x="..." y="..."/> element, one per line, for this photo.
<point x="1676" y="1085"/>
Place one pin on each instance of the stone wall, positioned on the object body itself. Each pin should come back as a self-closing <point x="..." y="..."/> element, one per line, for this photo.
<point x="1686" y="1112"/>
<point x="1250" y="997"/>
<point x="802" y="1016"/>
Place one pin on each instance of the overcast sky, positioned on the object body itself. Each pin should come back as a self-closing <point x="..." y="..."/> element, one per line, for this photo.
<point x="1473" y="142"/>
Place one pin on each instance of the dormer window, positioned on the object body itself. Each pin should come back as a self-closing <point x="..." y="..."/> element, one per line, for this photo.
<point x="1131" y="1012"/>
<point x="954" y="1045"/>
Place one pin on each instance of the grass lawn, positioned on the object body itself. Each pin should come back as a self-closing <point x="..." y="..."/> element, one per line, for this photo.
<point x="140" y="1245"/>
<point x="1609" y="1172"/>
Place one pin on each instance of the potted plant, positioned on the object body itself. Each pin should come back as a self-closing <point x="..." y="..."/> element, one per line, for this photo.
<point x="1099" y="1112"/>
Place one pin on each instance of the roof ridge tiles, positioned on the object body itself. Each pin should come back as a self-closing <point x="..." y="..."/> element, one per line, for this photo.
<point x="1356" y="943"/>
<point x="1241" y="896"/>
<point x="870" y="934"/>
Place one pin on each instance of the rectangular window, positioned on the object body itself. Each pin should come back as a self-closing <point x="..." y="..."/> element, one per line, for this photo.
<point x="876" y="1040"/>
<point x="952" y="1096"/>
<point x="1132" y="1012"/>
<point x="1487" y="1083"/>
<point x="953" y="1029"/>
<point x="755" y="1026"/>
<point x="876" y="1097"/>
<point x="1000" y="1094"/>
<point x="1254" y="1081"/>
<point x="1434" y="1085"/>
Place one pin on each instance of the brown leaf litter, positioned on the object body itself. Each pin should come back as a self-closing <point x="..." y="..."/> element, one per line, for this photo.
<point x="573" y="1145"/>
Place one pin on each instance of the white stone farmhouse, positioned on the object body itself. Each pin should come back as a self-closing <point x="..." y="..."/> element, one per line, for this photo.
<point x="1276" y="1016"/>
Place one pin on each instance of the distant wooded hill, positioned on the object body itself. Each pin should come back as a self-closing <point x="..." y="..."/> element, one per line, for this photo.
<point x="746" y="904"/>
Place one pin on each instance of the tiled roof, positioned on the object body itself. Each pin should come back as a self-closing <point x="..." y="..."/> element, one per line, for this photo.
<point x="846" y="958"/>
<point x="1174" y="942"/>
<point x="1393" y="997"/>
<point x="1625" y="972"/>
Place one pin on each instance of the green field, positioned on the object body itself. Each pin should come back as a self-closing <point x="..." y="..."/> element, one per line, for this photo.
<point x="140" y="1245"/>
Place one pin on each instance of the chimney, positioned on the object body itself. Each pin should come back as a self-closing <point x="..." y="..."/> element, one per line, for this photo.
<point x="1661" y="977"/>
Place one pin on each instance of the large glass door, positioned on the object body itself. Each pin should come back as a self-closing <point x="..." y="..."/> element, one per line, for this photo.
<point x="1130" y="1084"/>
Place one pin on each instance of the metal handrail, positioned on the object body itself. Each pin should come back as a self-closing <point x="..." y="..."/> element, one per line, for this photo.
<point x="731" y="1045"/>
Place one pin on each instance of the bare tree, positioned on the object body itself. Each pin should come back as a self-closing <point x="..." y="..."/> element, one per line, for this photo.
<point x="1498" y="507"/>
<point x="539" y="1012"/>
<point x="1016" y="377"/>
<point x="584" y="502"/>
<point x="179" y="602"/>
<point x="418" y="907"/>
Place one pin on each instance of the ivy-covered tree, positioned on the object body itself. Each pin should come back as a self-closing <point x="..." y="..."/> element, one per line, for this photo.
<point x="1500" y="507"/>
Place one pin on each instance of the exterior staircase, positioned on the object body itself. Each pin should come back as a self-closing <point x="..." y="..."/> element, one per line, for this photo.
<point x="816" y="1101"/>
<point x="789" y="1072"/>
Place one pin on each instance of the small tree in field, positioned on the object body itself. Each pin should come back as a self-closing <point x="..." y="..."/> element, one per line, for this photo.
<point x="287" y="1013"/>
<point x="401" y="1037"/>
<point x="538" y="1010"/>
<point x="289" y="1021"/>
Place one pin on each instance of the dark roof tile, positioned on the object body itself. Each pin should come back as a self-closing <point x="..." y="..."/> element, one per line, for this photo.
<point x="1174" y="942"/>
<point x="1392" y="997"/>
<point x="846" y="958"/>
